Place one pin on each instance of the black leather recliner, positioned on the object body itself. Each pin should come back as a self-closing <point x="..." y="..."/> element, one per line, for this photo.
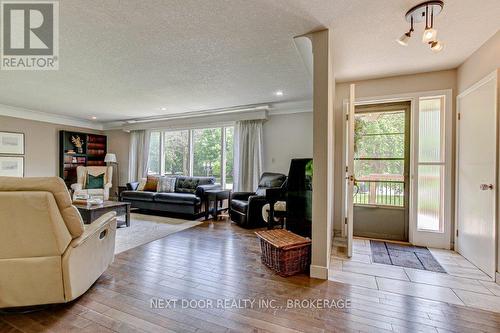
<point x="246" y="207"/>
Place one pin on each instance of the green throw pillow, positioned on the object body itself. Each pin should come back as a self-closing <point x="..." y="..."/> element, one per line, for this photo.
<point x="95" y="182"/>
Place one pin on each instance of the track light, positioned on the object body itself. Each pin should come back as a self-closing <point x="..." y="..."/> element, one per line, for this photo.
<point x="420" y="13"/>
<point x="429" y="35"/>
<point x="403" y="40"/>
<point x="436" y="46"/>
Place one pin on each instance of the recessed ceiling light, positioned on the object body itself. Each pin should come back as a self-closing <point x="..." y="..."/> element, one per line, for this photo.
<point x="94" y="117"/>
<point x="279" y="93"/>
<point x="164" y="109"/>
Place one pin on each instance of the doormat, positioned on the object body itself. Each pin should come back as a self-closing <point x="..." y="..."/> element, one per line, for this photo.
<point x="408" y="256"/>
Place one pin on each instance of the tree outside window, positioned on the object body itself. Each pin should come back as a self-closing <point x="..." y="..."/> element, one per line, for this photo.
<point x="170" y="152"/>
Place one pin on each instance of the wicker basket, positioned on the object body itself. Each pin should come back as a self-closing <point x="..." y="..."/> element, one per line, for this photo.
<point x="285" y="252"/>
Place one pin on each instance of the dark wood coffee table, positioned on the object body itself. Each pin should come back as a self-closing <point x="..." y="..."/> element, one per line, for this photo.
<point x="90" y="213"/>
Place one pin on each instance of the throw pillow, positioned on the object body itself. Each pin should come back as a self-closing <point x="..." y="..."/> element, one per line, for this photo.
<point x="151" y="184"/>
<point x="166" y="184"/>
<point x="95" y="182"/>
<point x="141" y="185"/>
<point x="187" y="185"/>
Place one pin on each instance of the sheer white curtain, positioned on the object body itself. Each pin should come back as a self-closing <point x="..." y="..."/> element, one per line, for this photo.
<point x="139" y="154"/>
<point x="248" y="137"/>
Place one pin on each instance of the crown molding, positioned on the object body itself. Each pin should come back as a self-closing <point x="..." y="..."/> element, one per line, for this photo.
<point x="257" y="111"/>
<point x="231" y="114"/>
<point x="284" y="108"/>
<point x="22" y="113"/>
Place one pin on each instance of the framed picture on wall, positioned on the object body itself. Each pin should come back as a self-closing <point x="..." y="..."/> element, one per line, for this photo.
<point x="12" y="166"/>
<point x="11" y="143"/>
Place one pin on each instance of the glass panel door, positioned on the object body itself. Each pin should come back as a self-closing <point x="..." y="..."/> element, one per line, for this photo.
<point x="381" y="169"/>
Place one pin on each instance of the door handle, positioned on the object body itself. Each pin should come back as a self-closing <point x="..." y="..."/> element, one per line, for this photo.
<point x="352" y="179"/>
<point x="486" y="187"/>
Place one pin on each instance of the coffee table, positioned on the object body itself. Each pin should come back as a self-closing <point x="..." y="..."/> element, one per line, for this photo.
<point x="90" y="213"/>
<point x="216" y="196"/>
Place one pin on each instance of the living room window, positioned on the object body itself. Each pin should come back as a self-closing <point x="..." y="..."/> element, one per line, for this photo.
<point x="207" y="152"/>
<point x="194" y="152"/>
<point x="176" y="153"/>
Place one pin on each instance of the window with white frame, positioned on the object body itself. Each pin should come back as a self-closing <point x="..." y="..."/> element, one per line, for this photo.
<point x="204" y="152"/>
<point x="431" y="164"/>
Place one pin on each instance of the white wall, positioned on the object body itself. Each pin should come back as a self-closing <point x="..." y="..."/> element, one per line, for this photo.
<point x="41" y="157"/>
<point x="480" y="63"/>
<point x="285" y="137"/>
<point x="118" y="143"/>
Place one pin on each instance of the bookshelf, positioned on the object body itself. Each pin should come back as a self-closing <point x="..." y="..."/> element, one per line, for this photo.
<point x="92" y="153"/>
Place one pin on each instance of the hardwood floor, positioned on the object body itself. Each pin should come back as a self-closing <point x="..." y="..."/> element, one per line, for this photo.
<point x="217" y="260"/>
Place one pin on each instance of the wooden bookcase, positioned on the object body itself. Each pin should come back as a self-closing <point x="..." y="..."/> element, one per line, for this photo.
<point x="93" y="151"/>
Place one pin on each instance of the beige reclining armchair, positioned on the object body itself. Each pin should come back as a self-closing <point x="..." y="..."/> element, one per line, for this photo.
<point x="47" y="255"/>
<point x="82" y="173"/>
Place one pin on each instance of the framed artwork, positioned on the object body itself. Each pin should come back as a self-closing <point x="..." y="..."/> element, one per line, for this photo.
<point x="11" y="143"/>
<point x="12" y="166"/>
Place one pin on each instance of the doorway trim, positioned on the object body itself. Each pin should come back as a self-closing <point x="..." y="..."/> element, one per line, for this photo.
<point x="415" y="236"/>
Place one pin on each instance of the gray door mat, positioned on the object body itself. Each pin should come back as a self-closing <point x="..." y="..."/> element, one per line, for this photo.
<point x="405" y="256"/>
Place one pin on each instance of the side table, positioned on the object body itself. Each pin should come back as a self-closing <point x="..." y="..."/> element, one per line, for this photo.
<point x="217" y="197"/>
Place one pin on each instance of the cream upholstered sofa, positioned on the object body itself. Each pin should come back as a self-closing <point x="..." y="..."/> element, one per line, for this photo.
<point x="47" y="255"/>
<point x="81" y="175"/>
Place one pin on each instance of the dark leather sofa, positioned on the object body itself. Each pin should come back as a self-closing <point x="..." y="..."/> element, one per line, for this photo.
<point x="187" y="198"/>
<point x="246" y="207"/>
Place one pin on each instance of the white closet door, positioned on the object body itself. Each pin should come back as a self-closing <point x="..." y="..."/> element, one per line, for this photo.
<point x="477" y="174"/>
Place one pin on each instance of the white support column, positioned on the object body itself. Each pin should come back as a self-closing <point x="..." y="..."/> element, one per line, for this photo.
<point x="323" y="149"/>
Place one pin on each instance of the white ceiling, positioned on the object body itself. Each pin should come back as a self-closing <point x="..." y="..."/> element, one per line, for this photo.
<point x="126" y="59"/>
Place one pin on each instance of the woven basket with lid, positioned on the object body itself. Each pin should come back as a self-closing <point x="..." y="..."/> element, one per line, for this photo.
<point x="285" y="252"/>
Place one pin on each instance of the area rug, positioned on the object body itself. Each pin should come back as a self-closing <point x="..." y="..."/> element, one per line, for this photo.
<point x="147" y="228"/>
<point x="405" y="256"/>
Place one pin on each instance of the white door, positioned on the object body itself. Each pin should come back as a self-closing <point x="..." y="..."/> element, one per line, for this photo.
<point x="476" y="174"/>
<point x="350" y="171"/>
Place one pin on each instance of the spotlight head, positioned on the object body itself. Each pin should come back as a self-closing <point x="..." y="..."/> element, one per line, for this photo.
<point x="436" y="46"/>
<point x="429" y="35"/>
<point x="403" y="40"/>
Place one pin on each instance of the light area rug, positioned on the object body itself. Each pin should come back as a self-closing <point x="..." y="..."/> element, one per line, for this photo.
<point x="147" y="228"/>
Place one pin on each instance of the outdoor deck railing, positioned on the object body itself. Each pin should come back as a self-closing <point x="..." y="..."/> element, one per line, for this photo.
<point x="379" y="193"/>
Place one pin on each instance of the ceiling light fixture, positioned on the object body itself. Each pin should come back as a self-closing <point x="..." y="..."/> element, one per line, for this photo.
<point x="94" y="117"/>
<point x="424" y="11"/>
<point x="163" y="109"/>
<point x="279" y="93"/>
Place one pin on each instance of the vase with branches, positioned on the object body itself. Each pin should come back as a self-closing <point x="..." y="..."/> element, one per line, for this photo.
<point x="78" y="142"/>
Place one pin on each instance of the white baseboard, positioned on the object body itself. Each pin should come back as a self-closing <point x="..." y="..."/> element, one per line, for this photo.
<point x="319" y="272"/>
<point x="497" y="277"/>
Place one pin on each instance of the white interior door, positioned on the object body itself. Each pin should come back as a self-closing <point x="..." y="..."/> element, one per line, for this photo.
<point x="350" y="171"/>
<point x="477" y="175"/>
